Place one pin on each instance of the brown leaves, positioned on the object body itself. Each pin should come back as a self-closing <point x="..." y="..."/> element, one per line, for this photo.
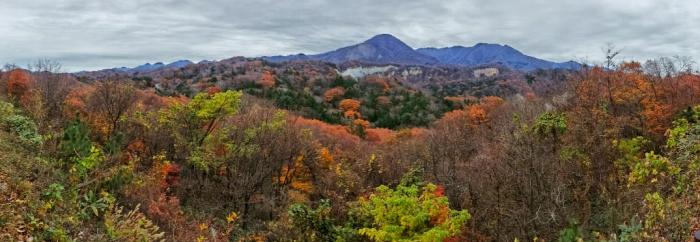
<point x="379" y="135"/>
<point x="76" y="100"/>
<point x="328" y="132"/>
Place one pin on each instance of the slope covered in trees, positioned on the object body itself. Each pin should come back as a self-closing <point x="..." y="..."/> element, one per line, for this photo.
<point x="299" y="153"/>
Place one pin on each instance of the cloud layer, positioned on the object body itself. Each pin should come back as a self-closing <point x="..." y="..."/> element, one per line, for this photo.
<point x="89" y="35"/>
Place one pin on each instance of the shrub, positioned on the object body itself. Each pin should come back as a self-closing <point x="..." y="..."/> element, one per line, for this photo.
<point x="22" y="126"/>
<point x="408" y="213"/>
<point x="313" y="224"/>
<point x="76" y="141"/>
<point x="131" y="226"/>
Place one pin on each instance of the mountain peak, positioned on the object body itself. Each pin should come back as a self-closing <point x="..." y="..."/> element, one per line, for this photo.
<point x="380" y="49"/>
<point x="387" y="41"/>
<point x="384" y="38"/>
<point x="179" y="64"/>
<point x="491" y="45"/>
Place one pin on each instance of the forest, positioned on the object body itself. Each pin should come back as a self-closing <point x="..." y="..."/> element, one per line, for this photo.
<point x="244" y="150"/>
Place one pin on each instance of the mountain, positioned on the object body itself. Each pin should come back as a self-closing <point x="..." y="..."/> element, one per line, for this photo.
<point x="484" y="54"/>
<point x="285" y="58"/>
<point x="387" y="49"/>
<point x="179" y="64"/>
<point x="148" y="67"/>
<point x="380" y="49"/>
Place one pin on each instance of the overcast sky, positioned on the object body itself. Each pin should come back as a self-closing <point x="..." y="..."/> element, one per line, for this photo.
<point x="96" y="34"/>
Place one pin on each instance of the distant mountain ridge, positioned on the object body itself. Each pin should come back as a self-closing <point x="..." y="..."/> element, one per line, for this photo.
<point x="482" y="54"/>
<point x="387" y="49"/>
<point x="148" y="67"/>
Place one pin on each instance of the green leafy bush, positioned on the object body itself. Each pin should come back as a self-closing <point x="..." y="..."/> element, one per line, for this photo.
<point x="20" y="125"/>
<point x="313" y="224"/>
<point x="83" y="165"/>
<point x="550" y="123"/>
<point x="408" y="213"/>
<point x="92" y="204"/>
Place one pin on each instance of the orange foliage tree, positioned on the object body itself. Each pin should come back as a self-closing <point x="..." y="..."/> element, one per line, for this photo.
<point x="349" y="105"/>
<point x="214" y="90"/>
<point x="350" y="108"/>
<point x="475" y="114"/>
<point x="379" y="82"/>
<point x="333" y="93"/>
<point x="18" y="83"/>
<point x="328" y="133"/>
<point x="379" y="135"/>
<point x="267" y="80"/>
<point x="631" y="100"/>
<point x="77" y="100"/>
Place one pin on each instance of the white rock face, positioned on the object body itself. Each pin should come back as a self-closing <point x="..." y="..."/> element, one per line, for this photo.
<point x="360" y="72"/>
<point x="487" y="72"/>
<point x="413" y="71"/>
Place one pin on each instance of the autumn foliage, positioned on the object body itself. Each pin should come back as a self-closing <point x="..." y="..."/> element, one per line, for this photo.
<point x="18" y="83"/>
<point x="295" y="152"/>
<point x="267" y="79"/>
<point x="474" y="114"/>
<point x="333" y="93"/>
<point x="349" y="105"/>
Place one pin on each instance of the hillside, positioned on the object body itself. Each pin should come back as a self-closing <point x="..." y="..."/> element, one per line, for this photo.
<point x="390" y="96"/>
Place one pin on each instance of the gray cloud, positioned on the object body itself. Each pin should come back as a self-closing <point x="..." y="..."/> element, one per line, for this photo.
<point x="88" y="34"/>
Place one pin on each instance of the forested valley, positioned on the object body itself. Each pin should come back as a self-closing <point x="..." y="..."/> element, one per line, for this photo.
<point x="247" y="150"/>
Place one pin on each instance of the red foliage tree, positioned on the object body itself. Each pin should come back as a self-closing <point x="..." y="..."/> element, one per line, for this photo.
<point x="18" y="82"/>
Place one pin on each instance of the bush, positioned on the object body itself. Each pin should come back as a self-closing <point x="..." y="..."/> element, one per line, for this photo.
<point x="20" y="125"/>
<point x="131" y="226"/>
<point x="408" y="213"/>
<point x="313" y="224"/>
<point x="76" y="141"/>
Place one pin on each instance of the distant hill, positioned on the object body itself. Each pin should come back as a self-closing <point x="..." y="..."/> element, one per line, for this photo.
<point x="387" y="49"/>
